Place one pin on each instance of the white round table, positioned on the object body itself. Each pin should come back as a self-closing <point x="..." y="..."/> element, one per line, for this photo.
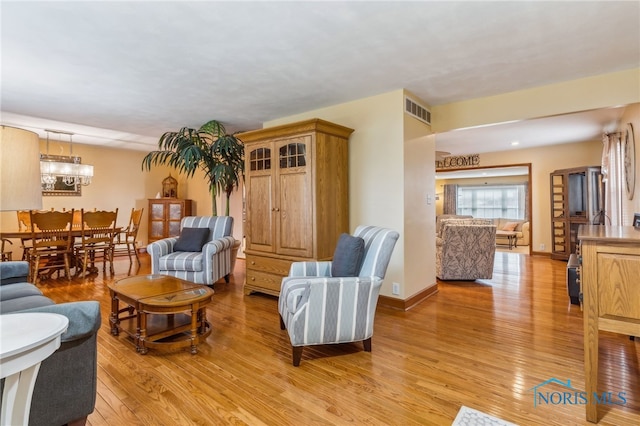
<point x="25" y="340"/>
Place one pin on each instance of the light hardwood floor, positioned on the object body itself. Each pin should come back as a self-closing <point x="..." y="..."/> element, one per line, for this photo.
<point x="483" y="344"/>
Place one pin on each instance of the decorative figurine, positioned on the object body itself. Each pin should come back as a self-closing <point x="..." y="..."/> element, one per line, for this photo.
<point x="169" y="187"/>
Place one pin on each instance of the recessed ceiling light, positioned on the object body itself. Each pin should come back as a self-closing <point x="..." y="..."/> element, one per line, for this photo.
<point x="515" y="143"/>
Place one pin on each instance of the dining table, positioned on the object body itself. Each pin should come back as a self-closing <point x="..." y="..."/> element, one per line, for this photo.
<point x="26" y="234"/>
<point x="22" y="234"/>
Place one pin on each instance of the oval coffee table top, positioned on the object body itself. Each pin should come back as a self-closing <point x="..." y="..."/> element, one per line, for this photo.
<point x="141" y="287"/>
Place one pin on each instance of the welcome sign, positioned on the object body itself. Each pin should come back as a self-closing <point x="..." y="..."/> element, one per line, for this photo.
<point x="460" y="161"/>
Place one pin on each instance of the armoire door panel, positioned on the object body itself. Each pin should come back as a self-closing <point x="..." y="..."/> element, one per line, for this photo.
<point x="296" y="214"/>
<point x="259" y="203"/>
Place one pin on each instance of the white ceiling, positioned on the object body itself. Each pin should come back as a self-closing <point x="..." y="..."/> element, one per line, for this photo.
<point x="122" y="73"/>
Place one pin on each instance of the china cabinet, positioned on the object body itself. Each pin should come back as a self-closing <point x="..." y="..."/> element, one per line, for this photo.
<point x="165" y="215"/>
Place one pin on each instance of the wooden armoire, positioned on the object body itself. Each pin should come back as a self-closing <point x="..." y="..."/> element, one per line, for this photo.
<point x="297" y="198"/>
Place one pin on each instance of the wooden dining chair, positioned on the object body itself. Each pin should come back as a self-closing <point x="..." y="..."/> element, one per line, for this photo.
<point x="77" y="219"/>
<point x="51" y="243"/>
<point x="125" y="242"/>
<point x="98" y="230"/>
<point x="24" y="224"/>
<point x="5" y="255"/>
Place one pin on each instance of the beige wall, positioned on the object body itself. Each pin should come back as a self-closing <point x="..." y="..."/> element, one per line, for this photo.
<point x="544" y="161"/>
<point x="197" y="189"/>
<point x="119" y="182"/>
<point x="389" y="184"/>
<point x="376" y="167"/>
<point x="547" y="159"/>
<point x="419" y="210"/>
<point x="606" y="90"/>
<point x="376" y="122"/>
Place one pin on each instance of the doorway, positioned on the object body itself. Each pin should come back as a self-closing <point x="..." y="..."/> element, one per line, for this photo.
<point x="499" y="175"/>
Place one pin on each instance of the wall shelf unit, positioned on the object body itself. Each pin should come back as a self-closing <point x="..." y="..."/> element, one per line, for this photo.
<point x="577" y="198"/>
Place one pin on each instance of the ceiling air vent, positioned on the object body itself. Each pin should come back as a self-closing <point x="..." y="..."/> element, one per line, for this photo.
<point x="416" y="110"/>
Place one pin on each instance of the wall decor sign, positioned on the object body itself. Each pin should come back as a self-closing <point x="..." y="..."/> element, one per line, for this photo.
<point x="459" y="161"/>
<point x="629" y="161"/>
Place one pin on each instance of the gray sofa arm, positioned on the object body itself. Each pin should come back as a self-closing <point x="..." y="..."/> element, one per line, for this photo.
<point x="84" y="318"/>
<point x="65" y="388"/>
<point x="13" y="272"/>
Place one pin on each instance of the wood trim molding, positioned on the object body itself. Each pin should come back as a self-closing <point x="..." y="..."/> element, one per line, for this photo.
<point x="541" y="253"/>
<point x="406" y="304"/>
<point x="313" y="125"/>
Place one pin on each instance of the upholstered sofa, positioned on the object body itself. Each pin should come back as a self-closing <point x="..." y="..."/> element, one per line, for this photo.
<point x="443" y="217"/>
<point x="201" y="259"/>
<point x="65" y="388"/>
<point x="521" y="229"/>
<point x="465" y="249"/>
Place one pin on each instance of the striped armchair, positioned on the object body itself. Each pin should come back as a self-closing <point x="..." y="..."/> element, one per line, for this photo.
<point x="205" y="267"/>
<point x="317" y="309"/>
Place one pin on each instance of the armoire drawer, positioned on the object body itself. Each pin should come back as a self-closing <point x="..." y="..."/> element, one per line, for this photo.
<point x="268" y="264"/>
<point x="262" y="282"/>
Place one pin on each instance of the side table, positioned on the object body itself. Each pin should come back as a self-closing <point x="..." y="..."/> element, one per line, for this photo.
<point x="26" y="339"/>
<point x="512" y="237"/>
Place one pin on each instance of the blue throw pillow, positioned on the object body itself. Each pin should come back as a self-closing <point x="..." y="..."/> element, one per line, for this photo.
<point x="347" y="259"/>
<point x="192" y="239"/>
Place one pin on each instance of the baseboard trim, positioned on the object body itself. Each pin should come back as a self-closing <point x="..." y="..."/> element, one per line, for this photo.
<point x="406" y="304"/>
<point x="541" y="253"/>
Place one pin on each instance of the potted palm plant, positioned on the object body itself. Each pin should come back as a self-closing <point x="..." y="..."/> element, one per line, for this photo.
<point x="219" y="155"/>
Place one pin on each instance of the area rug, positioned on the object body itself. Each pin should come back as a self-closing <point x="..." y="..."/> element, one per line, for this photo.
<point x="470" y="417"/>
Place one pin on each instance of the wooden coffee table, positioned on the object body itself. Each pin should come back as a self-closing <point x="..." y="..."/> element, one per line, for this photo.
<point x="160" y="311"/>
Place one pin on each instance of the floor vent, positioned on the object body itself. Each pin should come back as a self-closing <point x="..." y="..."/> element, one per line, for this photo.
<point x="416" y="110"/>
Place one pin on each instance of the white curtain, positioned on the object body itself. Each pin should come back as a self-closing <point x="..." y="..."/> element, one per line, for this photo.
<point x="612" y="177"/>
<point x="450" y="202"/>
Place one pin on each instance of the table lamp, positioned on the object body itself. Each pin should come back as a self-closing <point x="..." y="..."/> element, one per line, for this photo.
<point x="20" y="187"/>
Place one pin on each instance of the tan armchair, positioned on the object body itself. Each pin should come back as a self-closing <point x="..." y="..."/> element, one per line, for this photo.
<point x="465" y="249"/>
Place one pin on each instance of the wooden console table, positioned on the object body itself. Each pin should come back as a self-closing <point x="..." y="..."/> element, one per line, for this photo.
<point x="610" y="267"/>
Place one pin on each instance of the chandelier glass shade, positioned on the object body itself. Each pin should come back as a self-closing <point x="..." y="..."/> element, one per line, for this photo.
<point x="68" y="168"/>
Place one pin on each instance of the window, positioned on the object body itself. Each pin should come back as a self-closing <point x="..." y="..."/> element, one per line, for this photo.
<point x="260" y="159"/>
<point x="492" y="201"/>
<point x="293" y="155"/>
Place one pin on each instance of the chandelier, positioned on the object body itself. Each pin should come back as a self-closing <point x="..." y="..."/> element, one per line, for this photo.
<point x="67" y="168"/>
